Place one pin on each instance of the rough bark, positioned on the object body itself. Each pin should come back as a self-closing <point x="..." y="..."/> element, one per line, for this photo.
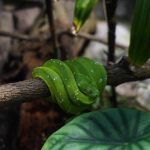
<point x="35" y="88"/>
<point x="23" y="91"/>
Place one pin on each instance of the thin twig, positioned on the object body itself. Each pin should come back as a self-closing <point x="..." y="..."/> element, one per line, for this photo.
<point x="111" y="20"/>
<point x="97" y="39"/>
<point x="19" y="36"/>
<point x="93" y="38"/>
<point x="49" y="10"/>
<point x="83" y="35"/>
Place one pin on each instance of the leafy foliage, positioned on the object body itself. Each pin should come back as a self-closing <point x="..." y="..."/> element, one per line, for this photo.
<point x="118" y="129"/>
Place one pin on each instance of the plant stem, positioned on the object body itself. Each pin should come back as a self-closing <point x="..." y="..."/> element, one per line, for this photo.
<point x="49" y="11"/>
<point x="111" y="6"/>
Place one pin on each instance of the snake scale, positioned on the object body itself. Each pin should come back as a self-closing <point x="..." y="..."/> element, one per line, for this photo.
<point x="73" y="84"/>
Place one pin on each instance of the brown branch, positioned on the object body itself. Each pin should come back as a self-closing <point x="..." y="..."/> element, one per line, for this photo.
<point x="22" y="91"/>
<point x="33" y="89"/>
<point x="97" y="39"/>
<point x="49" y="10"/>
<point x="19" y="36"/>
<point x="25" y="37"/>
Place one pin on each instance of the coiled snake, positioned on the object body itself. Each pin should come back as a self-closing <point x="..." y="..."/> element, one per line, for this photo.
<point x="73" y="84"/>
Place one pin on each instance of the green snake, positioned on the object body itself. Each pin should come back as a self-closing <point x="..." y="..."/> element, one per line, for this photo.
<point x="74" y="84"/>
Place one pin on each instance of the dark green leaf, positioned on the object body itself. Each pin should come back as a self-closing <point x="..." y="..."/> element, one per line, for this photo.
<point x="110" y="129"/>
<point x="139" y="50"/>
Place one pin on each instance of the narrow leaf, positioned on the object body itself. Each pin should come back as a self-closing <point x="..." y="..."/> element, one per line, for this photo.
<point x="82" y="11"/>
<point x="139" y="49"/>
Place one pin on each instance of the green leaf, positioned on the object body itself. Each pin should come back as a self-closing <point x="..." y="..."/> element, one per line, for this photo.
<point x="109" y="129"/>
<point x="139" y="49"/>
<point x="82" y="11"/>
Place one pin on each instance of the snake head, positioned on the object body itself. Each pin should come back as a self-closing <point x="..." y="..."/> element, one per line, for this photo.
<point x="87" y="86"/>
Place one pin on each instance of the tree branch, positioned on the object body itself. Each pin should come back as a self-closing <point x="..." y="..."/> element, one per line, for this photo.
<point x="23" y="91"/>
<point x="49" y="10"/>
<point x="83" y="35"/>
<point x="28" y="90"/>
<point x="19" y="36"/>
<point x="111" y="22"/>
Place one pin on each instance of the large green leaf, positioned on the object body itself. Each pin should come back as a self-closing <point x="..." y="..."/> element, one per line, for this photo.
<point x="139" y="50"/>
<point x="110" y="129"/>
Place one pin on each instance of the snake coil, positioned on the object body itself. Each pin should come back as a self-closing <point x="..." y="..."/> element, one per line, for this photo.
<point x="73" y="84"/>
